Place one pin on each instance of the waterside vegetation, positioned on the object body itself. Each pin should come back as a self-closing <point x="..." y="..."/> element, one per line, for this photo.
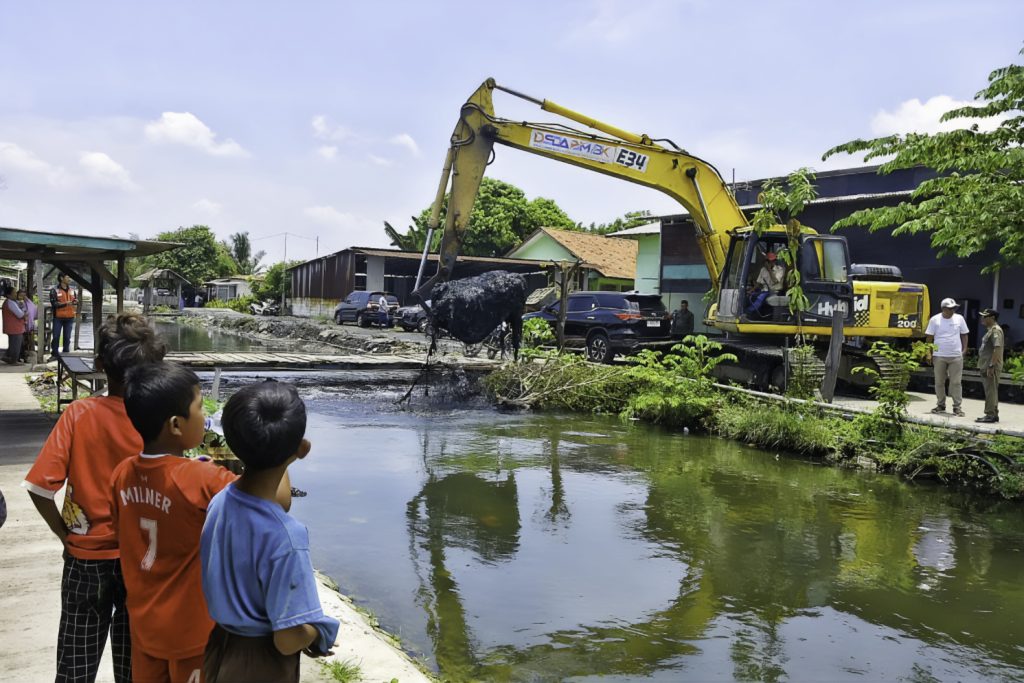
<point x="677" y="391"/>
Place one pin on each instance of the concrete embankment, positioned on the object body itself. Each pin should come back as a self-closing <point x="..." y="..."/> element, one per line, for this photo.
<point x="31" y="564"/>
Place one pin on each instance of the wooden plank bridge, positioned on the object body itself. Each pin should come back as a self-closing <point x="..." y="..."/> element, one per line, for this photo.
<point x="316" y="361"/>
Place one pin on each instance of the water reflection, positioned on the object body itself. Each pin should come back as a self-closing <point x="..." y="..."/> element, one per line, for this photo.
<point x="521" y="547"/>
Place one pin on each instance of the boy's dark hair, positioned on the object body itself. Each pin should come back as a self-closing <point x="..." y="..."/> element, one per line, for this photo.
<point x="126" y="341"/>
<point x="156" y="392"/>
<point x="264" y="424"/>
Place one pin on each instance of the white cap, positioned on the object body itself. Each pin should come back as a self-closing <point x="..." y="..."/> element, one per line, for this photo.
<point x="949" y="303"/>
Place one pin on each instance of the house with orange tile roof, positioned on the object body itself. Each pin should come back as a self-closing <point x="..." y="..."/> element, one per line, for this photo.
<point x="606" y="263"/>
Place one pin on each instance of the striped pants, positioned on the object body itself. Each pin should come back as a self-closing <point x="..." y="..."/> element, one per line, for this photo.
<point x="92" y="605"/>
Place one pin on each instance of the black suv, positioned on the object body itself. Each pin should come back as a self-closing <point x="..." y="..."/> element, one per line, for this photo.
<point x="606" y="323"/>
<point x="363" y="309"/>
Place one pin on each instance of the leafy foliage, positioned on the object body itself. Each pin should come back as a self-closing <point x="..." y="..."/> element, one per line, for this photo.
<point x="502" y="218"/>
<point x="240" y="304"/>
<point x="978" y="198"/>
<point x="201" y="258"/>
<point x="246" y="262"/>
<point x="630" y="219"/>
<point x="779" y="206"/>
<point x="677" y="388"/>
<point x="274" y="282"/>
<point x="889" y="389"/>
<point x="561" y="381"/>
<point x="537" y="332"/>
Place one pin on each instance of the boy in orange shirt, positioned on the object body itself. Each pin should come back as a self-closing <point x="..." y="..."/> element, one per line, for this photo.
<point x="91" y="437"/>
<point x="160" y="501"/>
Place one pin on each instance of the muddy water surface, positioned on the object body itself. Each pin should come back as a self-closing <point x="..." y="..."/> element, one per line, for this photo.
<point x="524" y="547"/>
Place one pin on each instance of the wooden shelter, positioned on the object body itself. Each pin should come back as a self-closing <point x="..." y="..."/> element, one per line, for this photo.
<point x="85" y="258"/>
<point x="161" y="279"/>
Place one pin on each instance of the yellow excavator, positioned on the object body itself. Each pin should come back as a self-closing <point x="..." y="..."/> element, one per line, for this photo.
<point x="873" y="301"/>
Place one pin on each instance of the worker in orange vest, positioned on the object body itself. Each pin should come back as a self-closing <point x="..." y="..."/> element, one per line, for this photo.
<point x="63" y="302"/>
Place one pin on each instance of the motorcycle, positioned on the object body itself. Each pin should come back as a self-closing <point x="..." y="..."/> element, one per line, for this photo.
<point x="265" y="308"/>
<point x="498" y="341"/>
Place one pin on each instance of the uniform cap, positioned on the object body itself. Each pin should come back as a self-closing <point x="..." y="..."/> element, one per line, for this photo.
<point x="949" y="303"/>
<point x="989" y="313"/>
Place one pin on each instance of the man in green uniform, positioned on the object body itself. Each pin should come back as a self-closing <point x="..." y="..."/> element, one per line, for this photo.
<point x="990" y="363"/>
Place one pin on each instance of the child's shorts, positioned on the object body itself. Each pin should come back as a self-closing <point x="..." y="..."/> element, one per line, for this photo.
<point x="230" y="658"/>
<point x="149" y="669"/>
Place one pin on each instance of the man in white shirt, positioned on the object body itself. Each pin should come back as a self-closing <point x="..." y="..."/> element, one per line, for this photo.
<point x="948" y="331"/>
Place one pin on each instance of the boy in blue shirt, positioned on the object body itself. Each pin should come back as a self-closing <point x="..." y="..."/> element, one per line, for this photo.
<point x="257" y="574"/>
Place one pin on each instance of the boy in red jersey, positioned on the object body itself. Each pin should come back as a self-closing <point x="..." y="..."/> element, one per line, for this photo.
<point x="91" y="437"/>
<point x="159" y="507"/>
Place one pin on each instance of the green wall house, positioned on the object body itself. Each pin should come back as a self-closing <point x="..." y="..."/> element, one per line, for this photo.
<point x="649" y="272"/>
<point x="607" y="263"/>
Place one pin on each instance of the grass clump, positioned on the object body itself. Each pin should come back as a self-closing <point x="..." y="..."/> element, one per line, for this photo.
<point x="783" y="427"/>
<point x="344" y="671"/>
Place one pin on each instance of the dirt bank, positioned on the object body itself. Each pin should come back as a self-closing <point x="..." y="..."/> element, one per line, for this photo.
<point x="313" y="335"/>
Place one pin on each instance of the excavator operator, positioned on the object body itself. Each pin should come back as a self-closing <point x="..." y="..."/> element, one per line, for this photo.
<point x="770" y="281"/>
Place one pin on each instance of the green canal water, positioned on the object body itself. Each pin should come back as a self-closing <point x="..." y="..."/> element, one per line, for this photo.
<point x="520" y="547"/>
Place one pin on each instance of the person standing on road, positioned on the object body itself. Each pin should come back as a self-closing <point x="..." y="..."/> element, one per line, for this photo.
<point x="14" y="325"/>
<point x="948" y="331"/>
<point x="990" y="363"/>
<point x="29" y="345"/>
<point x="682" y="320"/>
<point x="382" y="304"/>
<point x="63" y="302"/>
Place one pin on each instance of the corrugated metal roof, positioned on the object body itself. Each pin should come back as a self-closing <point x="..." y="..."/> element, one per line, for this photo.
<point x="823" y="201"/>
<point x="648" y="229"/>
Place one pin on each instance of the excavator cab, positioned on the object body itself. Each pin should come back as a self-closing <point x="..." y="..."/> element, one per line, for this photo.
<point x="755" y="281"/>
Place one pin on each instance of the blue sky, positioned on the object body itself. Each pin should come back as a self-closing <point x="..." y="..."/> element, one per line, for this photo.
<point x="324" y="119"/>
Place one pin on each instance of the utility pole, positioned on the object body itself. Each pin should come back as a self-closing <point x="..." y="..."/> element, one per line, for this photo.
<point x="284" y="273"/>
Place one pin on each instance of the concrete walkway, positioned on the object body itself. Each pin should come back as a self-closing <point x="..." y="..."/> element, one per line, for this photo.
<point x="31" y="564"/>
<point x="1011" y="415"/>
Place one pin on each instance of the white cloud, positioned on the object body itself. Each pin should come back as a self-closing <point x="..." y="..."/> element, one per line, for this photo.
<point x="208" y="207"/>
<point x="185" y="128"/>
<point x="100" y="169"/>
<point x="379" y="161"/>
<point x="405" y="140"/>
<point x="323" y="130"/>
<point x="328" y="152"/>
<point x="328" y="215"/>
<point x="915" y="116"/>
<point x="16" y="159"/>
<point x="618" y="23"/>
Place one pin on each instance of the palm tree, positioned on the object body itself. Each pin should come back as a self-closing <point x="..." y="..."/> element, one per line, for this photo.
<point x="241" y="251"/>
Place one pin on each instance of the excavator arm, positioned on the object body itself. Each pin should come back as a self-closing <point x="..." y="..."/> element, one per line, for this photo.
<point x="692" y="182"/>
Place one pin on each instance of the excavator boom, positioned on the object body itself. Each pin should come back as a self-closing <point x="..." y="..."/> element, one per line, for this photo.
<point x="691" y="181"/>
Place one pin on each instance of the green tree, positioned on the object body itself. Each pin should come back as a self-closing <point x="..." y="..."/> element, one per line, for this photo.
<point x="978" y="198"/>
<point x="502" y="218"/>
<point x="202" y="257"/>
<point x="630" y="219"/>
<point x="275" y="281"/>
<point x="241" y="251"/>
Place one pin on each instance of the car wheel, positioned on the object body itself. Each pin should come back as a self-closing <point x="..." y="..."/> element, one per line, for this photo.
<point x="422" y="325"/>
<point x="599" y="349"/>
<point x="337" y="319"/>
<point x="361" y="320"/>
<point x="471" y="350"/>
<point x="491" y="352"/>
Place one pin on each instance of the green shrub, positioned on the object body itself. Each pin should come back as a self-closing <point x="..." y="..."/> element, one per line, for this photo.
<point x="782" y="427"/>
<point x="241" y="304"/>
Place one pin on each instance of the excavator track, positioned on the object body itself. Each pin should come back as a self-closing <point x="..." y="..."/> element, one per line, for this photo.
<point x="889" y="371"/>
<point x="808" y="366"/>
